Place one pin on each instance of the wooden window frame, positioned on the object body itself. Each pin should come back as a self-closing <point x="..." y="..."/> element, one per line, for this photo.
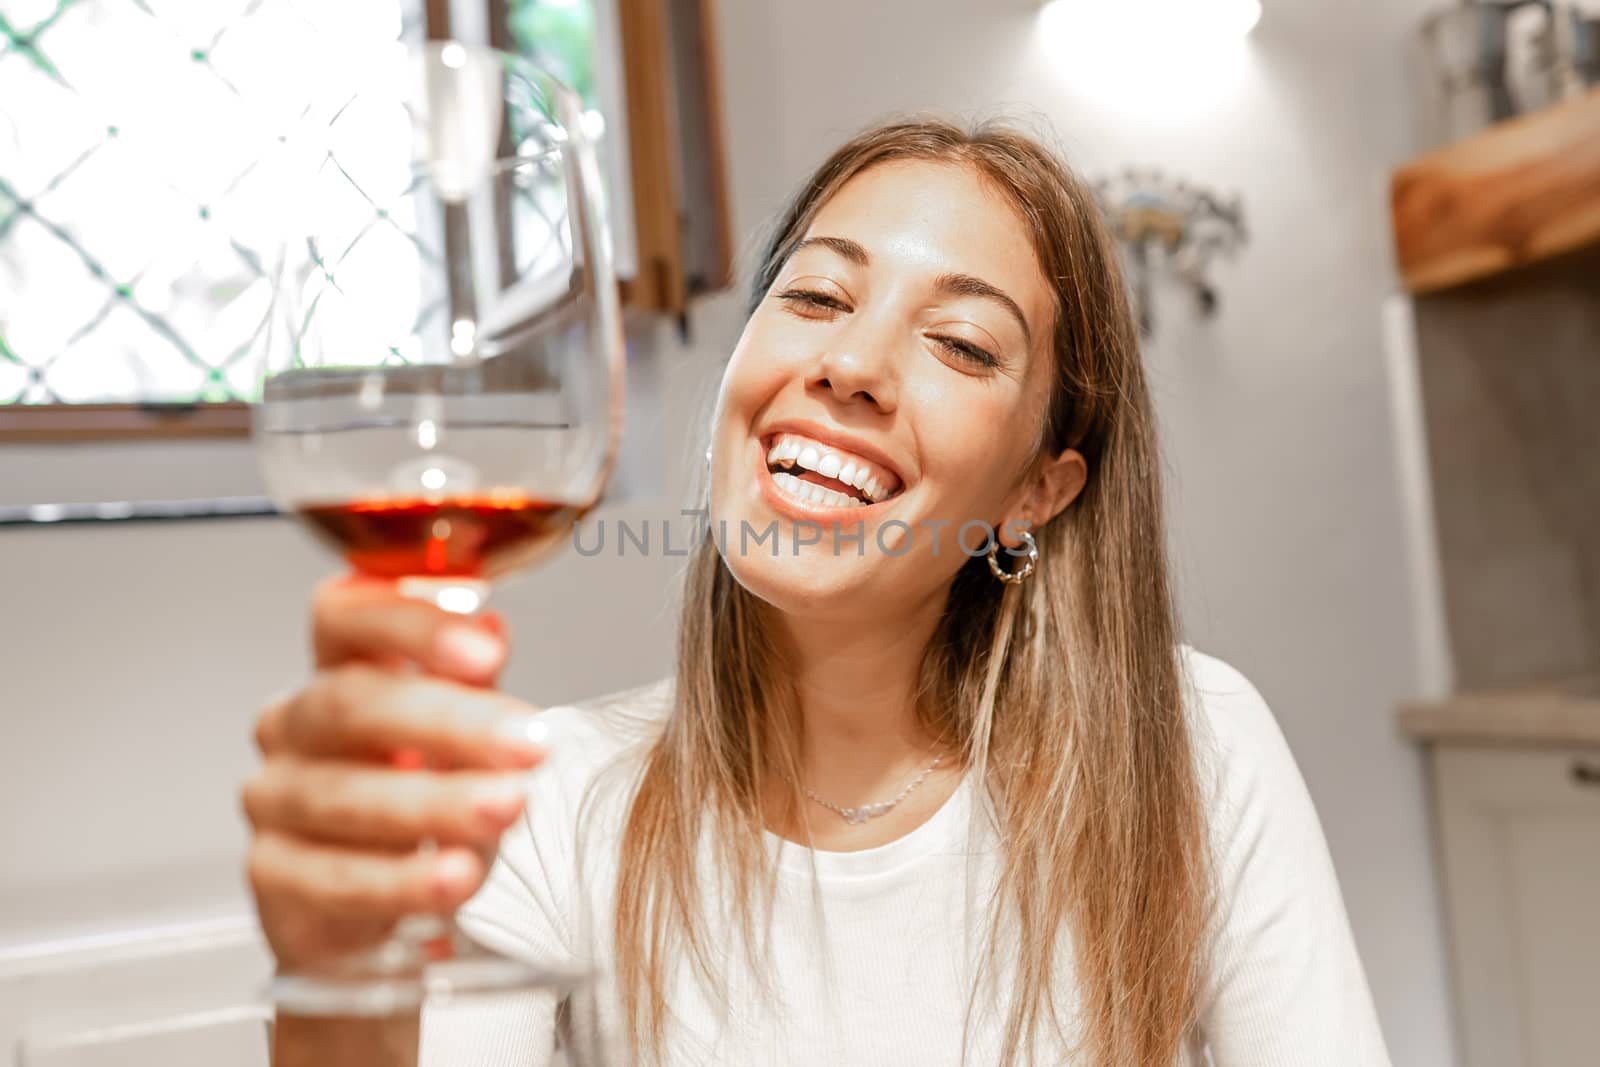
<point x="664" y="283"/>
<point x="68" y="423"/>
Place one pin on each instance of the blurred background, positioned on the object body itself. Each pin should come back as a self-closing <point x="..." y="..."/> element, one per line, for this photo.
<point x="1363" y="236"/>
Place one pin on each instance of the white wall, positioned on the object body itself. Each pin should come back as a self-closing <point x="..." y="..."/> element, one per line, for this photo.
<point x="133" y="658"/>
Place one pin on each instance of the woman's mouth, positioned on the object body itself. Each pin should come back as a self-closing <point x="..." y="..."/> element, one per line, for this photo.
<point x="815" y="474"/>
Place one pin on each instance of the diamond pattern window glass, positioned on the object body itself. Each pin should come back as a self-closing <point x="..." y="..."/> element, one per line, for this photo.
<point x="137" y="191"/>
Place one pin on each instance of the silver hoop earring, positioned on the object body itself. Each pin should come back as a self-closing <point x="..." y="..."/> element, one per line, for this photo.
<point x="1018" y="576"/>
<point x="708" y="457"/>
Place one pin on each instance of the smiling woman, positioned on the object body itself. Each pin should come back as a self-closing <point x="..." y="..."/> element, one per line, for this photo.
<point x="890" y="809"/>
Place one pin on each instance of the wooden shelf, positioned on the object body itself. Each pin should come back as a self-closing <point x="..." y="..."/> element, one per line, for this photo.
<point x="1520" y="192"/>
<point x="1553" y="713"/>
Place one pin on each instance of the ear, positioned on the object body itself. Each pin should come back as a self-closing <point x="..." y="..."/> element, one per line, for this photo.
<point x="1054" y="485"/>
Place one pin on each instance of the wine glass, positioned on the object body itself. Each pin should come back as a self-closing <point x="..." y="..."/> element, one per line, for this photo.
<point x="442" y="396"/>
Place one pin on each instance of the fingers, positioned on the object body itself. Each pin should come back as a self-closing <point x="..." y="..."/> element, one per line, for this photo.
<point x="376" y="808"/>
<point x="334" y="858"/>
<point x="363" y="618"/>
<point x="331" y="881"/>
<point x="364" y="712"/>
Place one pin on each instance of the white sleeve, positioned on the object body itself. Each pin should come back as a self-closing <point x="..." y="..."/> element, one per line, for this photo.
<point x="1285" y="986"/>
<point x="522" y="910"/>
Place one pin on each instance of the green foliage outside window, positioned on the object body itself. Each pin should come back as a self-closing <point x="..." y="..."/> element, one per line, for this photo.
<point x="558" y="34"/>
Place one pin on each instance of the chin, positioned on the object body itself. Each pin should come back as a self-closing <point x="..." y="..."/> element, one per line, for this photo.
<point x="812" y="582"/>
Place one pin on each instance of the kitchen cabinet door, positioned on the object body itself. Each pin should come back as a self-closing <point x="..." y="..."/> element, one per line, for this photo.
<point x="1520" y="834"/>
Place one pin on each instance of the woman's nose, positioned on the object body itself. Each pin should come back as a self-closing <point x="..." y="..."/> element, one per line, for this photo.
<point x="857" y="368"/>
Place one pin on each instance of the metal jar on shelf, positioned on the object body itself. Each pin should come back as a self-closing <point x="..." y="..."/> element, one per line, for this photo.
<point x="1485" y="61"/>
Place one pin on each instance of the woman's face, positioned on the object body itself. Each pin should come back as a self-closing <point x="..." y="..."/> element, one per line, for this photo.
<point x="892" y="383"/>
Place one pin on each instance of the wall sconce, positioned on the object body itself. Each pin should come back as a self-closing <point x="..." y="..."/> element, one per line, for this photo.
<point x="1170" y="228"/>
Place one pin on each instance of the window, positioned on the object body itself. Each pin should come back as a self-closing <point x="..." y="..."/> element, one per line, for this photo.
<point x="131" y="280"/>
<point x="130" y="249"/>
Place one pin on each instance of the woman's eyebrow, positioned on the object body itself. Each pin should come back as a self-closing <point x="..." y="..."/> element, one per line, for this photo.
<point x="967" y="285"/>
<point x="842" y="245"/>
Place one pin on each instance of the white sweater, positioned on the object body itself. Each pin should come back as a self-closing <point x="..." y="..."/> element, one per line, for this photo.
<point x="873" y="966"/>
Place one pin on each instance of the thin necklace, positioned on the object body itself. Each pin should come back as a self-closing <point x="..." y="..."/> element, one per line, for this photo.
<point x="858" y="815"/>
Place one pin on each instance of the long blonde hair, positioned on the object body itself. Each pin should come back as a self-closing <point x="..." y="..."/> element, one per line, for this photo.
<point x="1063" y="694"/>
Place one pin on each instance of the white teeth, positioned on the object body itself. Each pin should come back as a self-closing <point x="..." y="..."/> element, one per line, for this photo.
<point x="839" y="500"/>
<point x="803" y="454"/>
<point x="810" y="493"/>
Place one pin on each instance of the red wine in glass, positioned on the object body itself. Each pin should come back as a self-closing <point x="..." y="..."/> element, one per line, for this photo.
<point x="475" y="538"/>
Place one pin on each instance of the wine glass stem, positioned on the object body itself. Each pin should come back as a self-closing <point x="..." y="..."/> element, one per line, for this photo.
<point x="461" y="597"/>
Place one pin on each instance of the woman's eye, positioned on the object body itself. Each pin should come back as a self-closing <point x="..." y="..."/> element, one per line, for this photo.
<point x="966" y="350"/>
<point x="809" y="301"/>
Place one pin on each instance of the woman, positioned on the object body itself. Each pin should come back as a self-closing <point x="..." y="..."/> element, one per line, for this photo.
<point x="902" y="803"/>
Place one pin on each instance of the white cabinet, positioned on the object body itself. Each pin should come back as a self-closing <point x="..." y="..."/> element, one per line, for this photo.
<point x="1520" y="834"/>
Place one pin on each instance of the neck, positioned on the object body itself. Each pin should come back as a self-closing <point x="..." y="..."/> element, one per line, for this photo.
<point x="856" y="680"/>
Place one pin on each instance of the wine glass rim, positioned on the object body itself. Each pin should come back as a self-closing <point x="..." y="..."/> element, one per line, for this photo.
<point x="508" y="58"/>
<point x="537" y="75"/>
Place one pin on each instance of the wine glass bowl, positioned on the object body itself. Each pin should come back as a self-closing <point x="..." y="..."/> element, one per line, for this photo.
<point x="441" y="395"/>
<point x="444" y="361"/>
